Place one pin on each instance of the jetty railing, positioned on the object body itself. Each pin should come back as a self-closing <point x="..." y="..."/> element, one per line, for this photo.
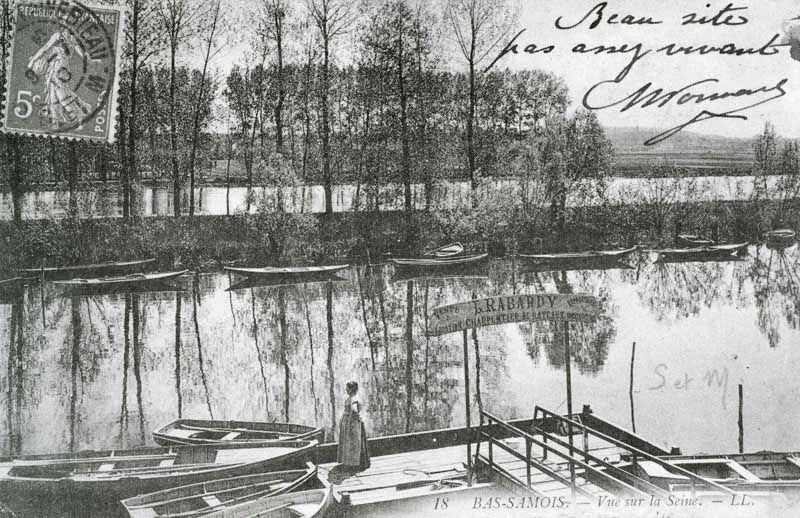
<point x="541" y="415"/>
<point x="624" y="482"/>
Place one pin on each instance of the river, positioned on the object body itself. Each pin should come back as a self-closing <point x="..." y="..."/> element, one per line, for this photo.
<point x="218" y="200"/>
<point x="92" y="371"/>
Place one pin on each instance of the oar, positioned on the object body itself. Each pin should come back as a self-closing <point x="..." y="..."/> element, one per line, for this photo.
<point x="404" y="485"/>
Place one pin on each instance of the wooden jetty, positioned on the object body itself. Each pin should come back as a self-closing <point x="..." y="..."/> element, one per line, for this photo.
<point x="410" y="472"/>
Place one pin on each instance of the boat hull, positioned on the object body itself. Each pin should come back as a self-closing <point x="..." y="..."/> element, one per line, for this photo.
<point x="752" y="473"/>
<point x="438" y="264"/>
<point x="690" y="241"/>
<point x="88" y="270"/>
<point x="201" y="499"/>
<point x="193" y="432"/>
<point x="779" y="239"/>
<point x="707" y="253"/>
<point x="418" y="501"/>
<point x="313" y="503"/>
<point x="122" y="281"/>
<point x="51" y="479"/>
<point x="270" y="271"/>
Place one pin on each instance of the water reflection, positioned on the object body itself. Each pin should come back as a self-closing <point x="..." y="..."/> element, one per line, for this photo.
<point x="775" y="278"/>
<point x="681" y="290"/>
<point x="101" y="370"/>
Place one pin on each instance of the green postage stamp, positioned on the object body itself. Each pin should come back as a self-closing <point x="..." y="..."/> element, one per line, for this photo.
<point x="63" y="70"/>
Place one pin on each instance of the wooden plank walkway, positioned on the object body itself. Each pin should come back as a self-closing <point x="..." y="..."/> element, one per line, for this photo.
<point x="390" y="470"/>
<point x="380" y="482"/>
<point x="543" y="483"/>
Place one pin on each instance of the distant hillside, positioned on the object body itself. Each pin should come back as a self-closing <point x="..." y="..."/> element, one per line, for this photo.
<point x="713" y="154"/>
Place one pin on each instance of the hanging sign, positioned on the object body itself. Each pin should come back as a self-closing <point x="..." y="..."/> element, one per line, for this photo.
<point x="63" y="70"/>
<point x="507" y="309"/>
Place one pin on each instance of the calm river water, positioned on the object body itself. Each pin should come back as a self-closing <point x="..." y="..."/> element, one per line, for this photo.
<point x="216" y="200"/>
<point x="89" y="371"/>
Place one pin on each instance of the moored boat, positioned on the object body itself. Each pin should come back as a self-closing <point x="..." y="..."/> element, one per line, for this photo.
<point x="304" y="504"/>
<point x="206" y="497"/>
<point x="691" y="240"/>
<point x="573" y="257"/>
<point x="200" y="431"/>
<point x="782" y="238"/>
<point x="117" y="474"/>
<point x="722" y="252"/>
<point x="270" y="271"/>
<point x="130" y="279"/>
<point x="767" y="472"/>
<point x="17" y="282"/>
<point x="88" y="270"/>
<point x="448" y="250"/>
<point x="407" y="498"/>
<point x="441" y="262"/>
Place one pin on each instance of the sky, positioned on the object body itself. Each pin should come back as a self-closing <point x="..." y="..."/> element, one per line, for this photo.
<point x="773" y="79"/>
<point x="765" y="18"/>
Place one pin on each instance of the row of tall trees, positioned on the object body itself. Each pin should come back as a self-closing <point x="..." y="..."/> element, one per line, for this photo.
<point x="328" y="91"/>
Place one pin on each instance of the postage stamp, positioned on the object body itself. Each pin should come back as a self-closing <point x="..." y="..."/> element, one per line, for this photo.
<point x="63" y="70"/>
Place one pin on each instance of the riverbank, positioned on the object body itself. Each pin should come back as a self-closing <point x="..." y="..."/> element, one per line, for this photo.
<point x="209" y="242"/>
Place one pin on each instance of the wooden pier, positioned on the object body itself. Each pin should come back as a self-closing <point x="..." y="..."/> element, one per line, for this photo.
<point x="540" y="457"/>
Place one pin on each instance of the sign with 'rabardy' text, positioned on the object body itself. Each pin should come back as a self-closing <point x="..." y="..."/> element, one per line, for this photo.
<point x="507" y="309"/>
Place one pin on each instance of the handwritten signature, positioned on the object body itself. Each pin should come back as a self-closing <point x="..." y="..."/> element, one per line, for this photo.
<point x="648" y="95"/>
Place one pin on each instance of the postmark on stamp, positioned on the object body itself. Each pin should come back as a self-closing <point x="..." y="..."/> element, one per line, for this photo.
<point x="63" y="68"/>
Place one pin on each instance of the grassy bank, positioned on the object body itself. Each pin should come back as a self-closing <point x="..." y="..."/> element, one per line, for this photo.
<point x="209" y="242"/>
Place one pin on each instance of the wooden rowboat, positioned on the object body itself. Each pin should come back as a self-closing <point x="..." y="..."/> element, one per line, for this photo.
<point x="287" y="270"/>
<point x="588" y="256"/>
<point x="17" y="282"/>
<point x="700" y="253"/>
<point x="408" y="498"/>
<point x="782" y="238"/>
<point x="443" y="262"/>
<point x="305" y="504"/>
<point x="198" y="431"/>
<point x="691" y="240"/>
<point x="131" y="279"/>
<point x="88" y="270"/>
<point x="448" y="250"/>
<point x="743" y="472"/>
<point x="117" y="474"/>
<point x="204" y="498"/>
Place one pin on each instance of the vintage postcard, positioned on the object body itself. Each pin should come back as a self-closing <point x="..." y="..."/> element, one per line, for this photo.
<point x="399" y="258"/>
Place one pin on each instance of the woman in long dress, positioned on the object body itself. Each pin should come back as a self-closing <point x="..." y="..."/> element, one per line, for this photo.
<point x="353" y="452"/>
<point x="61" y="104"/>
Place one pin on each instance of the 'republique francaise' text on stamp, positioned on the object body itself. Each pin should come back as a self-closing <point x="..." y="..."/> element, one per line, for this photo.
<point x="63" y="68"/>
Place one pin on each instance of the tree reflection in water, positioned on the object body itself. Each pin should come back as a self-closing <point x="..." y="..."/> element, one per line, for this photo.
<point x="589" y="343"/>
<point x="767" y="279"/>
<point x="776" y="290"/>
<point x="196" y="301"/>
<point x="675" y="291"/>
<point x="258" y="350"/>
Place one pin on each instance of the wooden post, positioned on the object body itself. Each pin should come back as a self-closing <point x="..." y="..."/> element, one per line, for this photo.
<point x="466" y="405"/>
<point x="568" y="367"/>
<point x="41" y="297"/>
<point x="741" y="419"/>
<point x="630" y="388"/>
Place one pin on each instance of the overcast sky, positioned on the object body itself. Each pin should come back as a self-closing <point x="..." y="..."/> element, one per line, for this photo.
<point x="765" y="18"/>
